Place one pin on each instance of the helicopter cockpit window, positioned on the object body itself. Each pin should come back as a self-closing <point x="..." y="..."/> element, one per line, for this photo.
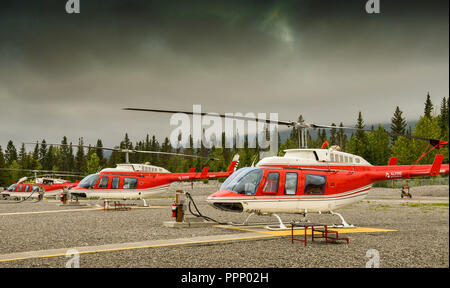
<point x="290" y="186"/>
<point x="89" y="181"/>
<point x="245" y="182"/>
<point x="12" y="188"/>
<point x="20" y="188"/>
<point x="271" y="185"/>
<point x="35" y="189"/>
<point x="315" y="184"/>
<point x="232" y="177"/>
<point x="130" y="183"/>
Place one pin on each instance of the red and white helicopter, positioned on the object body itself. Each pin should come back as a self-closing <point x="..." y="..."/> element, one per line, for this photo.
<point x="309" y="180"/>
<point x="46" y="185"/>
<point x="138" y="181"/>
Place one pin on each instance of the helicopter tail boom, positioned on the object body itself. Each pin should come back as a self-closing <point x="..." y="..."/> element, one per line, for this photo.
<point x="407" y="171"/>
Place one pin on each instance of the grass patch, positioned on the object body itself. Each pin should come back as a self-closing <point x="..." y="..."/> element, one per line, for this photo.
<point x="415" y="205"/>
<point x="380" y="207"/>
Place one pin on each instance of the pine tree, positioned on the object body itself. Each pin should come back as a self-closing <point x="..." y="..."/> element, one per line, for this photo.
<point x="165" y="147"/>
<point x="10" y="153"/>
<point x="14" y="173"/>
<point x="42" y="152"/>
<point x="398" y="124"/>
<point x="80" y="160"/>
<point x="64" y="161"/>
<point x="2" y="158"/>
<point x="428" y="107"/>
<point x="358" y="142"/>
<point x="23" y="157"/>
<point x="341" y="137"/>
<point x="333" y="135"/>
<point x="3" y="173"/>
<point x="36" y="152"/>
<point x="49" y="161"/>
<point x="409" y="150"/>
<point x="378" y="150"/>
<point x="444" y="117"/>
<point x="155" y="147"/>
<point x="126" y="144"/>
<point x="93" y="163"/>
<point x="99" y="153"/>
<point x="34" y="161"/>
<point x="296" y="133"/>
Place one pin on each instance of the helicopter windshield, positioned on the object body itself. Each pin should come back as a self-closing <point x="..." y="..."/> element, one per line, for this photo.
<point x="244" y="181"/>
<point x="12" y="188"/>
<point x="89" y="181"/>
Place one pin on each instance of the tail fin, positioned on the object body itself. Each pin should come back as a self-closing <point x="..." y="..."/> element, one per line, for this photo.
<point x="324" y="145"/>
<point x="393" y="161"/>
<point x="436" y="164"/>
<point x="234" y="164"/>
<point x="204" y="173"/>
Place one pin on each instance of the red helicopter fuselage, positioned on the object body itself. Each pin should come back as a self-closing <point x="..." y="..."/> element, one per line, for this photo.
<point x="22" y="190"/>
<point x="138" y="181"/>
<point x="285" y="185"/>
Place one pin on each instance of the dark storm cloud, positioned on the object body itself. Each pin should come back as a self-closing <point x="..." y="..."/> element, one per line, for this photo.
<point x="71" y="74"/>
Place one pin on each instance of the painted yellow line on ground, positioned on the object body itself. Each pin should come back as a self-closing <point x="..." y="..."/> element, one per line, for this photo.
<point x="339" y="230"/>
<point x="150" y="207"/>
<point x="130" y="246"/>
<point x="75" y="210"/>
<point x="308" y="232"/>
<point x="49" y="211"/>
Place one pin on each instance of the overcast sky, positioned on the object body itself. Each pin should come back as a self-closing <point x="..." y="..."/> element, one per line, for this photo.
<point x="70" y="75"/>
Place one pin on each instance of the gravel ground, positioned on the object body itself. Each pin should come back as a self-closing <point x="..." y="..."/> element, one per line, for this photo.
<point x="421" y="240"/>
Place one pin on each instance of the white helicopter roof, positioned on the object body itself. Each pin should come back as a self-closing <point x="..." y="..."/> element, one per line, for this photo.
<point x="54" y="180"/>
<point x="130" y="167"/>
<point x="315" y="157"/>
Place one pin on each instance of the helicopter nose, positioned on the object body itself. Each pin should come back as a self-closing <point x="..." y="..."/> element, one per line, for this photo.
<point x="225" y="200"/>
<point x="217" y="196"/>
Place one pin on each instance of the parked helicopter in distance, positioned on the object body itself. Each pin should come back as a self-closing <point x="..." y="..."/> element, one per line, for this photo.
<point x="45" y="185"/>
<point x="138" y="181"/>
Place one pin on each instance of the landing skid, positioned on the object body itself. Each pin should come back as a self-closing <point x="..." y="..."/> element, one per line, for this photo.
<point x="281" y="227"/>
<point x="343" y="224"/>
<point x="145" y="203"/>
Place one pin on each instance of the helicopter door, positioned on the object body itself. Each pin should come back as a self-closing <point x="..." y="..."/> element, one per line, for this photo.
<point x="315" y="184"/>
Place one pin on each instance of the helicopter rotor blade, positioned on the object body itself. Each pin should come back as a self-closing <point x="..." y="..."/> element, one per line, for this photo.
<point x="124" y="150"/>
<point x="175" y="154"/>
<point x="267" y="121"/>
<point x="37" y="170"/>
<point x="434" y="142"/>
<point x="76" y="145"/>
